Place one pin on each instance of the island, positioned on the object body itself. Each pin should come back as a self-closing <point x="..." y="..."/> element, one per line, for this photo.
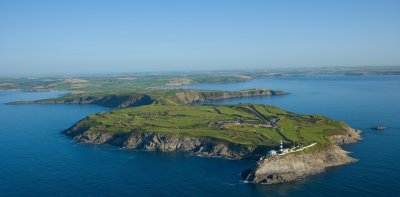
<point x="287" y="146"/>
<point x="239" y="131"/>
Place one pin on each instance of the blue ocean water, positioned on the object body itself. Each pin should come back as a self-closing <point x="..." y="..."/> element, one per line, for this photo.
<point x="37" y="160"/>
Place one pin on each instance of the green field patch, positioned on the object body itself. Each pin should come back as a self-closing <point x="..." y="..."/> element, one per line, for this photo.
<point x="232" y="123"/>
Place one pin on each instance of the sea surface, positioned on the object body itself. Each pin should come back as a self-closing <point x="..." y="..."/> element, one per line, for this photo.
<point x="36" y="159"/>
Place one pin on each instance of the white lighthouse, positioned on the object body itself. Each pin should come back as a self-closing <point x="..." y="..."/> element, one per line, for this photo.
<point x="281" y="147"/>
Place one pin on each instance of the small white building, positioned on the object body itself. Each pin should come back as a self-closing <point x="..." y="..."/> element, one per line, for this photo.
<point x="285" y="150"/>
<point x="272" y="152"/>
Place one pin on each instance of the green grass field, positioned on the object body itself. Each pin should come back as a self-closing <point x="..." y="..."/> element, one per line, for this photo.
<point x="113" y="84"/>
<point x="201" y="121"/>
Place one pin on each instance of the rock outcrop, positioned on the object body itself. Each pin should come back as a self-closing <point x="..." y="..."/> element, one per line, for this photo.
<point x="290" y="167"/>
<point x="351" y="136"/>
<point x="194" y="96"/>
<point x="155" y="141"/>
<point x="294" y="166"/>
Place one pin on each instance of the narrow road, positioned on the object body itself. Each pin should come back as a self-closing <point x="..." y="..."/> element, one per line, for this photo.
<point x="266" y="119"/>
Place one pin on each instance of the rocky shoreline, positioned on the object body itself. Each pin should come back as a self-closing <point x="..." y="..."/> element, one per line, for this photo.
<point x="151" y="141"/>
<point x="269" y="170"/>
<point x="291" y="167"/>
<point x="193" y="96"/>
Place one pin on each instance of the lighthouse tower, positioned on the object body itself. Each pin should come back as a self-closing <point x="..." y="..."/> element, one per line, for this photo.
<point x="281" y="147"/>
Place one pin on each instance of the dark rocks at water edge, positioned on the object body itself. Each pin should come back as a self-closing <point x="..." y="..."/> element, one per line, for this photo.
<point x="150" y="141"/>
<point x="269" y="170"/>
<point x="379" y="128"/>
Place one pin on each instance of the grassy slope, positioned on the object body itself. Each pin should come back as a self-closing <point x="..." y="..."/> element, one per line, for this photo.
<point x="197" y="121"/>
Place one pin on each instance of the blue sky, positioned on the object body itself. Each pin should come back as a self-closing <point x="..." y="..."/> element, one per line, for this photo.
<point x="114" y="36"/>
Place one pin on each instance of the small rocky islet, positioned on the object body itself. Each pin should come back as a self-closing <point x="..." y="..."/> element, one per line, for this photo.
<point x="171" y="122"/>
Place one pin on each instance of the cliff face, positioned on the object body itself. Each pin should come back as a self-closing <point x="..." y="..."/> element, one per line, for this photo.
<point x="192" y="96"/>
<point x="351" y="136"/>
<point x="290" y="167"/>
<point x="133" y="128"/>
<point x="123" y="101"/>
<point x="118" y="101"/>
<point x="148" y="141"/>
